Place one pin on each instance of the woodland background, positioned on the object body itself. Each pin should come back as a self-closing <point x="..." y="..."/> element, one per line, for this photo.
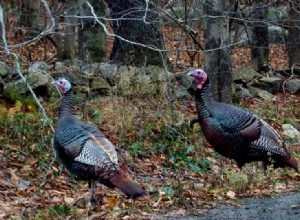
<point x="174" y="163"/>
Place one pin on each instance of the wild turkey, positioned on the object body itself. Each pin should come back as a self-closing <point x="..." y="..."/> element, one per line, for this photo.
<point x="86" y="152"/>
<point x="237" y="133"/>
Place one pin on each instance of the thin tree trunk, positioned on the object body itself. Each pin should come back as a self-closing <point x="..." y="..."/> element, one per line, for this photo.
<point x="70" y="47"/>
<point x="217" y="55"/>
<point x="91" y="34"/>
<point x="260" y="39"/>
<point x="133" y="23"/>
<point x="293" y="39"/>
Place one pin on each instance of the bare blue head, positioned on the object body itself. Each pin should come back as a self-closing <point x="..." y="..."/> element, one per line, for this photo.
<point x="63" y="85"/>
<point x="199" y="76"/>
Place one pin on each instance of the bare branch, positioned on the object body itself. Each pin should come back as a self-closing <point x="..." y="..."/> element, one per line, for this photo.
<point x="49" y="29"/>
<point x="18" y="69"/>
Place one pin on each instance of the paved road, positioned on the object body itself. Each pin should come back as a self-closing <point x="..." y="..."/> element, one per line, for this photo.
<point x="283" y="207"/>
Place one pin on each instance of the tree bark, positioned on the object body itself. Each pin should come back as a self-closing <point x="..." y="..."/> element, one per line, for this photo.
<point x="260" y="37"/>
<point x="133" y="22"/>
<point x="70" y="47"/>
<point x="217" y="51"/>
<point x="91" y="35"/>
<point x="31" y="18"/>
<point x="293" y="39"/>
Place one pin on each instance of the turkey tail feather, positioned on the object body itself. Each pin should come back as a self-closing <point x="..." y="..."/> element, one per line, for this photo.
<point x="123" y="182"/>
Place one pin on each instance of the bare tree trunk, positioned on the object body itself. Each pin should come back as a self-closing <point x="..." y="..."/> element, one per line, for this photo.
<point x="217" y="55"/>
<point x="32" y="20"/>
<point x="70" y="47"/>
<point x="293" y="39"/>
<point x="133" y="23"/>
<point x="91" y="35"/>
<point x="260" y="37"/>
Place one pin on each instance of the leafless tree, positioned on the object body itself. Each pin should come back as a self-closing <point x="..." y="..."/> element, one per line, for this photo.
<point x="217" y="48"/>
<point x="293" y="39"/>
<point x="136" y="21"/>
<point x="260" y="36"/>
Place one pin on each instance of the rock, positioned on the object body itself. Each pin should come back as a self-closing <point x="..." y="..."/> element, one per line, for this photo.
<point x="293" y="85"/>
<point x="4" y="69"/>
<point x="257" y="92"/>
<point x="138" y="82"/>
<point x="244" y="75"/>
<point x="291" y="132"/>
<point x="90" y="69"/>
<point x="181" y="92"/>
<point x="108" y="71"/>
<point x="270" y="84"/>
<point x="277" y="13"/>
<point x="276" y="34"/>
<point x="124" y="80"/>
<point x="144" y="85"/>
<point x="186" y="81"/>
<point x="98" y="83"/>
<point x="253" y="91"/>
<point x="271" y="80"/>
<point x="241" y="91"/>
<point x="60" y="67"/>
<point x="265" y="95"/>
<point x="35" y="80"/>
<point x="38" y="66"/>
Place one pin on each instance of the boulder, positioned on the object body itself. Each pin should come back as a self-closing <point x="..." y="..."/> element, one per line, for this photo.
<point x="256" y="92"/>
<point x="98" y="83"/>
<point x="265" y="95"/>
<point x="35" y="80"/>
<point x="135" y="81"/>
<point x="244" y="75"/>
<point x="90" y="69"/>
<point x="271" y="80"/>
<point x="293" y="85"/>
<point x="108" y="71"/>
<point x="291" y="132"/>
<point x="38" y="66"/>
<point x="269" y="84"/>
<point x="60" y="67"/>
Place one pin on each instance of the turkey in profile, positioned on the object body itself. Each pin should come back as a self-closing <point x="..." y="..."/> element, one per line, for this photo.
<point x="86" y="152"/>
<point x="237" y="133"/>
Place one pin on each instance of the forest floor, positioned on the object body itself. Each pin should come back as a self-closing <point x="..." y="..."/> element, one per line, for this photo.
<point x="175" y="164"/>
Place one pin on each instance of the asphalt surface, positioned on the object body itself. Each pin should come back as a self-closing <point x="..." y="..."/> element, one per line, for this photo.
<point x="283" y="207"/>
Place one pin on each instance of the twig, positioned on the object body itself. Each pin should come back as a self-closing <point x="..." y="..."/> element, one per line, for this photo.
<point x="192" y="33"/>
<point x="291" y="76"/>
<point x="242" y="88"/>
<point x="18" y="69"/>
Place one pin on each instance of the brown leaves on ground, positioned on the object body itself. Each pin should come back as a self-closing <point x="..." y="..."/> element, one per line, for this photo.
<point x="30" y="188"/>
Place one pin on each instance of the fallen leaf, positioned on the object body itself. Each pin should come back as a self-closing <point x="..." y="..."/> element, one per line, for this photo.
<point x="69" y="200"/>
<point x="26" y="168"/>
<point x="112" y="201"/>
<point x="230" y="194"/>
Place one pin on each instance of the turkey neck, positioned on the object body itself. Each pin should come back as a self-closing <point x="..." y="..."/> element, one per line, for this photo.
<point x="204" y="100"/>
<point x="67" y="104"/>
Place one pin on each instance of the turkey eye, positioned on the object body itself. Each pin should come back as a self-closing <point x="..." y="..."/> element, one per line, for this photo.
<point x="60" y="82"/>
